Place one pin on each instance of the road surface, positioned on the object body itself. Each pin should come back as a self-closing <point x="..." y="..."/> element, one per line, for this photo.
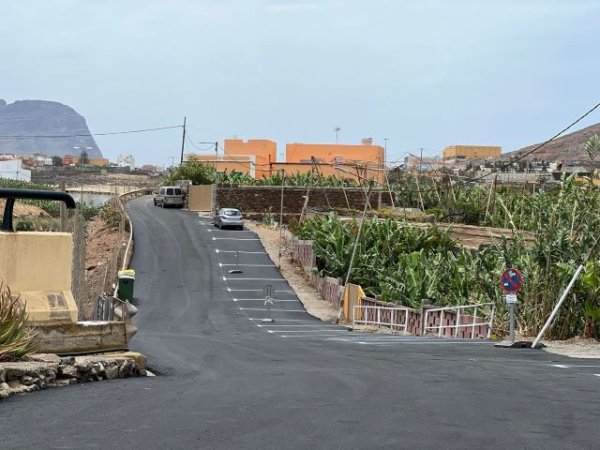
<point x="229" y="380"/>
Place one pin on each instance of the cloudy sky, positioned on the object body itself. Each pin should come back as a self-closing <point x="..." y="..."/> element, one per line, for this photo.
<point x="422" y="73"/>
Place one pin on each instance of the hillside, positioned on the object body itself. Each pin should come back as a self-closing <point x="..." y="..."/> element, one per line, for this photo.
<point x="567" y="147"/>
<point x="43" y="118"/>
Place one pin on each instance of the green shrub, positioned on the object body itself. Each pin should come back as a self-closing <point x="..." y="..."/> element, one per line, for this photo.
<point x="16" y="337"/>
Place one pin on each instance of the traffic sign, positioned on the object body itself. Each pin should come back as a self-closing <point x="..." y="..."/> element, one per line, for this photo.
<point x="511" y="281"/>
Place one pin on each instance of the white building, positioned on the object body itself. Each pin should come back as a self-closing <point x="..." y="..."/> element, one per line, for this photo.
<point x="126" y="161"/>
<point x="13" y="170"/>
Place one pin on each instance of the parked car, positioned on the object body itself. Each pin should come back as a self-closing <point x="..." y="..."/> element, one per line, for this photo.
<point x="229" y="217"/>
<point x="169" y="196"/>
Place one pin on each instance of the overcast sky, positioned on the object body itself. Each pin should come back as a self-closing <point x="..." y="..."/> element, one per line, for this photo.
<point x="420" y="73"/>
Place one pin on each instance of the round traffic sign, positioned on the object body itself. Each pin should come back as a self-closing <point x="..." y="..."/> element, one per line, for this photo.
<point x="511" y="281"/>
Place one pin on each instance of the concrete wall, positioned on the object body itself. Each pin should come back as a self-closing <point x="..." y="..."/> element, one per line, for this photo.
<point x="260" y="199"/>
<point x="37" y="266"/>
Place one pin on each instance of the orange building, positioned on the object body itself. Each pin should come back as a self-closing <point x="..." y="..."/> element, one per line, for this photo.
<point x="257" y="158"/>
<point x="346" y="161"/>
<point x="226" y="163"/>
<point x="262" y="152"/>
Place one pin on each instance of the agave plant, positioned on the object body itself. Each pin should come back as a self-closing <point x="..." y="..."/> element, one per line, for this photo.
<point x="16" y="337"/>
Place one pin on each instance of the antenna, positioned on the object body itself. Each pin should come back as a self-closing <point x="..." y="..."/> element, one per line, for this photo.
<point x="337" y="131"/>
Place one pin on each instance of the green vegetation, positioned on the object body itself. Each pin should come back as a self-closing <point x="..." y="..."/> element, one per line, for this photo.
<point x="16" y="338"/>
<point x="404" y="264"/>
<point x="202" y="173"/>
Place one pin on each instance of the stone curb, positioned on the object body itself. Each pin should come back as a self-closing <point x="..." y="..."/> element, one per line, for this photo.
<point x="45" y="370"/>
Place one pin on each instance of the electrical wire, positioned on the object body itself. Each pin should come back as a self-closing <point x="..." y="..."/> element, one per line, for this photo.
<point x="535" y="149"/>
<point x="43" y="136"/>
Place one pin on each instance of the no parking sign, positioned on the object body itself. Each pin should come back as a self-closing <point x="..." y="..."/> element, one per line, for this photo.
<point x="511" y="281"/>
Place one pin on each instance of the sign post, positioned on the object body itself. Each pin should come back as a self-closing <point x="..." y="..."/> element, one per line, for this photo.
<point x="511" y="282"/>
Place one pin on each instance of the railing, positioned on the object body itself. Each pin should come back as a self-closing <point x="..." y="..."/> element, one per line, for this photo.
<point x="453" y="321"/>
<point x="395" y="318"/>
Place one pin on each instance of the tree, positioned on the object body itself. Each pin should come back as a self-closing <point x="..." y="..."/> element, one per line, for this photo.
<point x="592" y="147"/>
<point x="57" y="161"/>
<point x="84" y="158"/>
<point x="196" y="171"/>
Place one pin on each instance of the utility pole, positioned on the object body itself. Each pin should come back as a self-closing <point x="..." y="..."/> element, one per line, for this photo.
<point x="216" y="151"/>
<point x="421" y="161"/>
<point x="183" y="141"/>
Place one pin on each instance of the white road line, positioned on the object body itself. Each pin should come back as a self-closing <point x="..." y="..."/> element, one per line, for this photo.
<point x="240" y="251"/>
<point x="278" y="320"/>
<point x="300" y="336"/>
<point x="253" y="279"/>
<point x="246" y="265"/>
<point x="301" y="325"/>
<point x="560" y="366"/>
<point x="259" y="300"/>
<point x="596" y="374"/>
<point x="234" y="239"/>
<point x="305" y="331"/>
<point x="273" y="309"/>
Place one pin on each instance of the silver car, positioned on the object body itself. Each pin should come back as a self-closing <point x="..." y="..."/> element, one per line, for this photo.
<point x="169" y="196"/>
<point x="229" y="217"/>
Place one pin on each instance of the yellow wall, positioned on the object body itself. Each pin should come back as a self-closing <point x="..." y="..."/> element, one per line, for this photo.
<point x="36" y="265"/>
<point x="366" y="154"/>
<point x="99" y="161"/>
<point x="471" y="151"/>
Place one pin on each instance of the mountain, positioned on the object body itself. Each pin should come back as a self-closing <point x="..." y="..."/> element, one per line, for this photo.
<point x="568" y="147"/>
<point x="43" y="118"/>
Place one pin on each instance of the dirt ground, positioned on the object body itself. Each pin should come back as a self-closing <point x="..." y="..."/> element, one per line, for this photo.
<point x="21" y="210"/>
<point x="269" y="236"/>
<point x="101" y="244"/>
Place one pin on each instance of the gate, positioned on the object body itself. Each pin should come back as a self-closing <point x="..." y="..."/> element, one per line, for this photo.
<point x="201" y="198"/>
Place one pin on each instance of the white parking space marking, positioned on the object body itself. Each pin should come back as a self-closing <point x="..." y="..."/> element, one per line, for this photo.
<point x="306" y="331"/>
<point x="246" y="265"/>
<point x="260" y="300"/>
<point x="260" y="290"/>
<point x="304" y="325"/>
<point x="278" y="320"/>
<point x="234" y="239"/>
<point x="254" y="279"/>
<point x="240" y="251"/>
<point x="273" y="309"/>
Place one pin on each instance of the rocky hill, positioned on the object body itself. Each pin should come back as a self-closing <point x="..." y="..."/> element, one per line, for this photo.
<point x="568" y="147"/>
<point x="43" y="118"/>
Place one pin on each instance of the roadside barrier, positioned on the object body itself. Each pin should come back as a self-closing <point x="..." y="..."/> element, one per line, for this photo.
<point x="462" y="321"/>
<point x="393" y="318"/>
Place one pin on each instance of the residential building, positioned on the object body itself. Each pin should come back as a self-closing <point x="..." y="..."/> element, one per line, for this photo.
<point x="126" y="161"/>
<point x="471" y="152"/>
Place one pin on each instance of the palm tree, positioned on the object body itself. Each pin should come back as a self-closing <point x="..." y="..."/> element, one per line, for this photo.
<point x="592" y="147"/>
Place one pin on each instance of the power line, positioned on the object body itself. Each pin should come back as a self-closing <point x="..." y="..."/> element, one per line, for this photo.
<point x="53" y="136"/>
<point x="530" y="152"/>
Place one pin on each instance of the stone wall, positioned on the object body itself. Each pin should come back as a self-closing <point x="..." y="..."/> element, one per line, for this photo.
<point x="262" y="199"/>
<point x="43" y="371"/>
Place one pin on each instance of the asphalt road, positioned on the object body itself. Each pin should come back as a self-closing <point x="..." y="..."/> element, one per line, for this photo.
<point x="228" y="380"/>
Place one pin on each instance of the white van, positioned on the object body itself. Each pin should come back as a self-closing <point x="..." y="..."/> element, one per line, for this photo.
<point x="169" y="196"/>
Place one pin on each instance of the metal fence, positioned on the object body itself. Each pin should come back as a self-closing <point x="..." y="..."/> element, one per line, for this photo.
<point x="393" y="318"/>
<point x="454" y="321"/>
